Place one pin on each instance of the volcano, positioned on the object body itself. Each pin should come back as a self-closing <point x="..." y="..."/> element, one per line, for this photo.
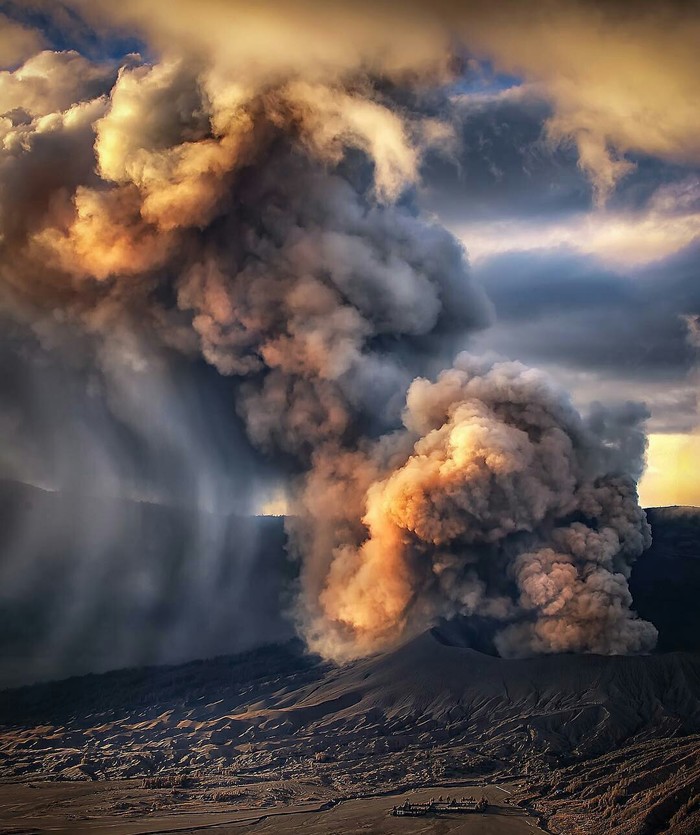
<point x="276" y="731"/>
<point x="281" y="740"/>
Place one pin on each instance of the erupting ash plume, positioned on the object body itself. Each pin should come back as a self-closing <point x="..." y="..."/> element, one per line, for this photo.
<point x="254" y="208"/>
<point x="499" y="500"/>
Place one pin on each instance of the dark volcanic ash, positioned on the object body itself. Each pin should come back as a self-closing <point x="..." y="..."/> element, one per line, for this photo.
<point x="255" y="210"/>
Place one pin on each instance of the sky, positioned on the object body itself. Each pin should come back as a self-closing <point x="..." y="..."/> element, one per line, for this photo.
<point x="424" y="282"/>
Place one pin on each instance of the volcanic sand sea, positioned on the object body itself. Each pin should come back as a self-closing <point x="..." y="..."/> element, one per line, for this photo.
<point x="70" y="808"/>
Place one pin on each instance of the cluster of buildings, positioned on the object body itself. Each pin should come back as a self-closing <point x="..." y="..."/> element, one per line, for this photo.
<point x="451" y="806"/>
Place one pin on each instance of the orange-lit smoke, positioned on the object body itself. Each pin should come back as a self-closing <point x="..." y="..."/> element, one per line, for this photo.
<point x="246" y="198"/>
<point x="508" y="506"/>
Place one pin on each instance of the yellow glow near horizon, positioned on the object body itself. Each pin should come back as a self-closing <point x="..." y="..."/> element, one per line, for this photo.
<point x="275" y="505"/>
<point x="671" y="476"/>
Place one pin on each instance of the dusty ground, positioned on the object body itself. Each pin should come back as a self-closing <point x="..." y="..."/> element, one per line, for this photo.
<point x="124" y="807"/>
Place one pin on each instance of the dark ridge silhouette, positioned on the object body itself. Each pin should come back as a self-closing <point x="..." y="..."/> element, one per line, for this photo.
<point x="665" y="582"/>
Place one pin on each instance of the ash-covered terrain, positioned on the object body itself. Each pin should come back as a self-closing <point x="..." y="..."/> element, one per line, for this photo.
<point x="275" y="739"/>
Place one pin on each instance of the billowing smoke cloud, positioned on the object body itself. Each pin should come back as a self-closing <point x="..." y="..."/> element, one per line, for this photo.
<point x="249" y="202"/>
<point x="498" y="500"/>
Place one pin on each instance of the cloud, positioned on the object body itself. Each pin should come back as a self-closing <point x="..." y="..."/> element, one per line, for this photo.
<point x="692" y="322"/>
<point x="51" y="82"/>
<point x="501" y="167"/>
<point x="665" y="223"/>
<point x="103" y="584"/>
<point x="620" y="334"/>
<point x="621" y="79"/>
<point x="572" y="296"/>
<point x="136" y="545"/>
<point x="17" y="42"/>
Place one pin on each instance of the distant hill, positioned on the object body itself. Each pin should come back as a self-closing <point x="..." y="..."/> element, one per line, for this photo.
<point x="665" y="582"/>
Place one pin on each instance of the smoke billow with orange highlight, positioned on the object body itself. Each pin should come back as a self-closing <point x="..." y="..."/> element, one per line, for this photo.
<point x="250" y="202"/>
<point x="500" y="501"/>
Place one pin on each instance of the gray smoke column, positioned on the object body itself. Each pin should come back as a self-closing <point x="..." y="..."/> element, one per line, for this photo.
<point x="254" y="208"/>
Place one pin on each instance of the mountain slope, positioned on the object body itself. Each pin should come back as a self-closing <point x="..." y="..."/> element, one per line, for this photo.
<point x="551" y="709"/>
<point x="665" y="582"/>
<point x="423" y="714"/>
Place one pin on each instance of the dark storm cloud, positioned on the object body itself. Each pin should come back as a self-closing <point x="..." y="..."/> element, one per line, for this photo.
<point x="571" y="309"/>
<point x="143" y="550"/>
<point x="501" y="165"/>
<point x="563" y="309"/>
<point x="98" y="584"/>
<point x="154" y="428"/>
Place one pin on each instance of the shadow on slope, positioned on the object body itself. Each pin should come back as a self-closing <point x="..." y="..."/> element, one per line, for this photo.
<point x="665" y="582"/>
